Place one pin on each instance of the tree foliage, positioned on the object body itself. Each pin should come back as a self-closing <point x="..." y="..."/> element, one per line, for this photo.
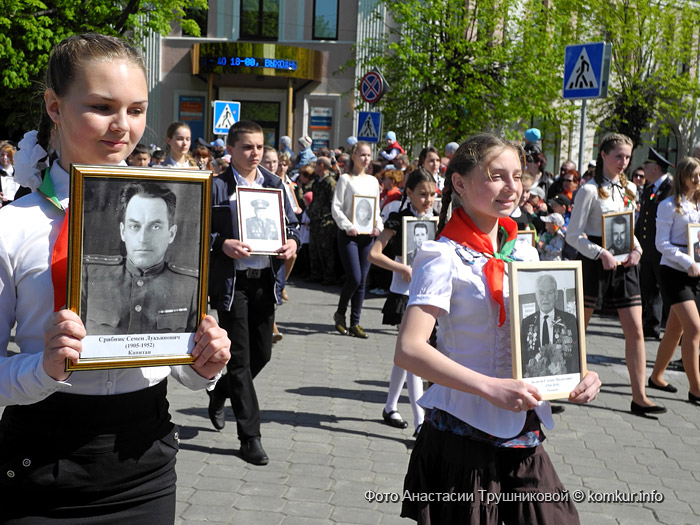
<point x="30" y="28"/>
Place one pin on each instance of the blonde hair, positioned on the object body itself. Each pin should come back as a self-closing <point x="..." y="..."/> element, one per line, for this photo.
<point x="686" y="169"/>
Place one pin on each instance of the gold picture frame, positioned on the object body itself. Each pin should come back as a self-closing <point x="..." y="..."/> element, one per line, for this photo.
<point x="554" y="289"/>
<point x="138" y="259"/>
<point x="261" y="219"/>
<point x="618" y="234"/>
<point x="416" y="230"/>
<point x="527" y="236"/>
<point x="364" y="214"/>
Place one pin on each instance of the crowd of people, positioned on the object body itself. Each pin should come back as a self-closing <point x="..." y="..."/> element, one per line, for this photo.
<point x="432" y="235"/>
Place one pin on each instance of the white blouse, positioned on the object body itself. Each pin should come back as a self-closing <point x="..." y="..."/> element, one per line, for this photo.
<point x="672" y="233"/>
<point x="587" y="215"/>
<point x="451" y="277"/>
<point x="347" y="186"/>
<point x="29" y="228"/>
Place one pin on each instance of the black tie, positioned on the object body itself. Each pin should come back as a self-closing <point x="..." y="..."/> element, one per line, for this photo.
<point x="545" y="331"/>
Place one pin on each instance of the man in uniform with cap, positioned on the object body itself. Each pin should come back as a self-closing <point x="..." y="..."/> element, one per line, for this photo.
<point x="659" y="187"/>
<point x="142" y="292"/>
<point x="260" y="227"/>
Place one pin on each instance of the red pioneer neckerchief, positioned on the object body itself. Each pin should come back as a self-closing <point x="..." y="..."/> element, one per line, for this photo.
<point x="462" y="230"/>
<point x="59" y="256"/>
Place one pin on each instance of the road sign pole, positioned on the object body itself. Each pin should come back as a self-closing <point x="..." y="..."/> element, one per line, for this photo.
<point x="582" y="137"/>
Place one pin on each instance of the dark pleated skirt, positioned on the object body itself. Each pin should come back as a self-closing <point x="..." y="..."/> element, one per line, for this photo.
<point x="394" y="308"/>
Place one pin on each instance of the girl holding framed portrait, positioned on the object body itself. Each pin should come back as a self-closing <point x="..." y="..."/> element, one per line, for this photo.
<point x="355" y="188"/>
<point x="92" y="446"/>
<point x="605" y="281"/>
<point x="680" y="278"/>
<point x="482" y="430"/>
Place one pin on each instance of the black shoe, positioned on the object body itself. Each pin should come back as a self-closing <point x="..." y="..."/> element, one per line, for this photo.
<point x="652" y="335"/>
<point x="216" y="411"/>
<point x="253" y="452"/>
<point x="557" y="409"/>
<point x="340" y="325"/>
<point x="668" y="388"/>
<point x="692" y="398"/>
<point x="396" y="422"/>
<point x="357" y="331"/>
<point x="641" y="410"/>
<point x="677" y="365"/>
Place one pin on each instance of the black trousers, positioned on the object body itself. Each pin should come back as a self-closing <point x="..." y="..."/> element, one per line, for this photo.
<point x="653" y="308"/>
<point x="249" y="327"/>
<point x="89" y="459"/>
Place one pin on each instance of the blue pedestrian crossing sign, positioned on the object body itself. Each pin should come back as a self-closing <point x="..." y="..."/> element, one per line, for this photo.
<point x="369" y="126"/>
<point x="226" y="114"/>
<point x="586" y="70"/>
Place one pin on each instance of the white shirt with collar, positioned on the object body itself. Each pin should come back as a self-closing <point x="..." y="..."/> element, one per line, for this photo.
<point x="672" y="233"/>
<point x="451" y="278"/>
<point x="28" y="231"/>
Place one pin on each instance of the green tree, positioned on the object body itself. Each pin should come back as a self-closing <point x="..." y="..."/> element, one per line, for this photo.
<point x="30" y="28"/>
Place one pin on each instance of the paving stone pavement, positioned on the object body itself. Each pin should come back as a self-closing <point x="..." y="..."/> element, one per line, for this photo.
<point x="322" y="396"/>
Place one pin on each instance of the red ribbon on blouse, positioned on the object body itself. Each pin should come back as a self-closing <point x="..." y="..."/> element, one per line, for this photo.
<point x="462" y="230"/>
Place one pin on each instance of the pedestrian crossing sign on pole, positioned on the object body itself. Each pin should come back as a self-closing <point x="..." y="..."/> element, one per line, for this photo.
<point x="369" y="126"/>
<point x="226" y="114"/>
<point x="586" y="70"/>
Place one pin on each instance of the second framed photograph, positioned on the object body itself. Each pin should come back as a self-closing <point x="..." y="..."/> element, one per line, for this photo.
<point x="138" y="254"/>
<point x="261" y="219"/>
<point x="527" y="236"/>
<point x="364" y="213"/>
<point x="416" y="231"/>
<point x="618" y="234"/>
<point x="694" y="241"/>
<point x="547" y="329"/>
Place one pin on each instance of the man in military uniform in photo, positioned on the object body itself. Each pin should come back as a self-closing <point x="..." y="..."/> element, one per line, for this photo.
<point x="142" y="292"/>
<point x="259" y="227"/>
<point x="323" y="238"/>
<point x="658" y="188"/>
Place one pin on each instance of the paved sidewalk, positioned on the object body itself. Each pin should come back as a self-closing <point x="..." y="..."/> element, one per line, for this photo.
<point x="322" y="396"/>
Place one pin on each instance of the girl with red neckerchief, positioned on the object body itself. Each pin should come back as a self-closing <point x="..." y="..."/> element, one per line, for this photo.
<point x="482" y="431"/>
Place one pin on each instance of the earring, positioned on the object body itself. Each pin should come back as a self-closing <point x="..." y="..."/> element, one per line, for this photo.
<point x="55" y="125"/>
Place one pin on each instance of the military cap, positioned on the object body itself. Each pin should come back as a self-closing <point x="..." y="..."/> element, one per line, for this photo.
<point x="260" y="203"/>
<point x="655" y="157"/>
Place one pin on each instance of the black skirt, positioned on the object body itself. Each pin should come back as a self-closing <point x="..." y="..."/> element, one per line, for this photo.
<point x="89" y="459"/>
<point x="676" y="286"/>
<point x="394" y="308"/>
<point x="617" y="288"/>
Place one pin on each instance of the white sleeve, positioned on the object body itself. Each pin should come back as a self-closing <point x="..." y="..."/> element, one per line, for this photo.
<point x="377" y="211"/>
<point x="391" y="155"/>
<point x="431" y="282"/>
<point x="187" y="376"/>
<point x="575" y="231"/>
<point x="665" y="214"/>
<point x="339" y="196"/>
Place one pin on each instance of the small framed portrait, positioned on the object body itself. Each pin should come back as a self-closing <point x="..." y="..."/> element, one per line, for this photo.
<point x="138" y="257"/>
<point x="694" y="241"/>
<point x="618" y="234"/>
<point x="527" y="236"/>
<point x="261" y="219"/>
<point x="364" y="214"/>
<point x="416" y="230"/>
<point x="547" y="329"/>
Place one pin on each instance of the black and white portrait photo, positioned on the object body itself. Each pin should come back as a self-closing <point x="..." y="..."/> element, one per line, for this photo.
<point x="141" y="248"/>
<point x="415" y="232"/>
<point x="694" y="241"/>
<point x="364" y="213"/>
<point x="527" y="236"/>
<point x="546" y="311"/>
<point x="261" y="218"/>
<point x="618" y="234"/>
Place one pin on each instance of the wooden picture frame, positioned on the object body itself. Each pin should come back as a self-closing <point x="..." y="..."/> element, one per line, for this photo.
<point x="261" y="219"/>
<point x="364" y="214"/>
<point x="416" y="230"/>
<point x="138" y="262"/>
<point x="618" y="234"/>
<point x="527" y="236"/>
<point x="693" y="243"/>
<point x="556" y="288"/>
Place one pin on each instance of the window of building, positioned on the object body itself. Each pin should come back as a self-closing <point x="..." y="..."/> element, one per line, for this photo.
<point x="667" y="146"/>
<point x="260" y="19"/>
<point x="325" y="20"/>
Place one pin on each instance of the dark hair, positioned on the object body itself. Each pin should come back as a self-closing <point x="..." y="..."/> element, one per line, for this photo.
<point x="158" y="154"/>
<point x="140" y="148"/>
<point x="424" y="154"/>
<point x="350" y="165"/>
<point x="686" y="168"/>
<point x="172" y="128"/>
<point x="476" y="151"/>
<point x="619" y="220"/>
<point x="240" y="128"/>
<point x="608" y="144"/>
<point x="420" y="224"/>
<point x="67" y="59"/>
<point x="414" y="179"/>
<point x="148" y="190"/>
